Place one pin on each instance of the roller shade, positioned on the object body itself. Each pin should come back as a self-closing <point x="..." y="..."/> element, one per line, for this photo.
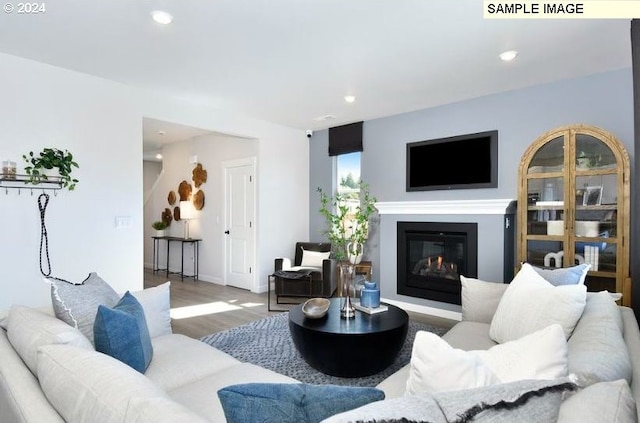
<point x="345" y="139"/>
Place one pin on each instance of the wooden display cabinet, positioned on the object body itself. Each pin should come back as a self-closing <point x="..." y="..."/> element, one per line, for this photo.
<point x="573" y="198"/>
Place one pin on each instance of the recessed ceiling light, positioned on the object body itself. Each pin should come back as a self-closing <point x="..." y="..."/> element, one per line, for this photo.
<point x="508" y="56"/>
<point x="159" y="156"/>
<point x="349" y="98"/>
<point x="162" y="17"/>
<point x="161" y="132"/>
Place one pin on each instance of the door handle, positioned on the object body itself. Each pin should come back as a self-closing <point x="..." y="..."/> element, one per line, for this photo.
<point x="226" y="232"/>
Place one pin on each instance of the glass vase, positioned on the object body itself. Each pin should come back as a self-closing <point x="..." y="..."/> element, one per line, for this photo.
<point x="347" y="274"/>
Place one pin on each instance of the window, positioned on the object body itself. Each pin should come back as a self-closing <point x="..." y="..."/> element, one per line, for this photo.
<point x="348" y="184"/>
<point x="348" y="174"/>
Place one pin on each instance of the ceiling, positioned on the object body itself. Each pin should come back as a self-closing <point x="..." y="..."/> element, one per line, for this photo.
<point x="292" y="61"/>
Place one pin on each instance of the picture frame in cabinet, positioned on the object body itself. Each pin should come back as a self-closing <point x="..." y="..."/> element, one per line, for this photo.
<point x="592" y="196"/>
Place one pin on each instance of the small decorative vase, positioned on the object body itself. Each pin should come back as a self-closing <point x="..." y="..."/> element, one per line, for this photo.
<point x="161" y="232"/>
<point x="370" y="296"/>
<point x="354" y="250"/>
<point x="347" y="273"/>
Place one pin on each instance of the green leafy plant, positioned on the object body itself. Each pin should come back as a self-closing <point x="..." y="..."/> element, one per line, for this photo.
<point x="51" y="158"/>
<point x="347" y="220"/>
<point x="159" y="225"/>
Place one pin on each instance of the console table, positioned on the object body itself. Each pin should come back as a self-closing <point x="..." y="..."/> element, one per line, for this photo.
<point x="169" y="239"/>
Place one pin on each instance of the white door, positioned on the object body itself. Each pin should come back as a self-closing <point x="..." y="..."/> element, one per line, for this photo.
<point x="240" y="223"/>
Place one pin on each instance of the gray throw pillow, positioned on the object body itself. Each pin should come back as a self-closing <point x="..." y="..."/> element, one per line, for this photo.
<point x="77" y="304"/>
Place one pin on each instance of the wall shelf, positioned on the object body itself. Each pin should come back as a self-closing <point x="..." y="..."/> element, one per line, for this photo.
<point x="21" y="182"/>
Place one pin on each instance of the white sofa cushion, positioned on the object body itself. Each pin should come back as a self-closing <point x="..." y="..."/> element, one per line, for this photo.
<point x="531" y="303"/>
<point x="437" y="367"/>
<point x="468" y="335"/>
<point x="156" y="302"/>
<point x="179" y="360"/>
<point x="28" y="329"/>
<point x="200" y="395"/>
<point x="480" y="299"/>
<point x="88" y="386"/>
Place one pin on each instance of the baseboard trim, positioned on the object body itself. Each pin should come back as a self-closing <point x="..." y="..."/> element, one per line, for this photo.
<point x="431" y="311"/>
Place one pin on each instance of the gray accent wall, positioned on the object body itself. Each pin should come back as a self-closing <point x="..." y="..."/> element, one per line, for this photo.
<point x="604" y="100"/>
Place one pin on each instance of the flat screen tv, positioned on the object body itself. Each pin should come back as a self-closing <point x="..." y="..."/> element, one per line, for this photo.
<point x="460" y="162"/>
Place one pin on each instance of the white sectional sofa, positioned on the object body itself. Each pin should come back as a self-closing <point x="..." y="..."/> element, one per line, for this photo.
<point x="49" y="374"/>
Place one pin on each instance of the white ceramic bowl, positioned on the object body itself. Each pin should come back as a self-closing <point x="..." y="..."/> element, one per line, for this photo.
<point x="316" y="308"/>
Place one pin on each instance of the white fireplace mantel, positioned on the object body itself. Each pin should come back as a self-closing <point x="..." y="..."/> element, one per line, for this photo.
<point x="498" y="206"/>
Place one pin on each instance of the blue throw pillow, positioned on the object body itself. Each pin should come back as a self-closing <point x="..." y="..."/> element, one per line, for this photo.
<point x="564" y="275"/>
<point x="291" y="402"/>
<point x="122" y="333"/>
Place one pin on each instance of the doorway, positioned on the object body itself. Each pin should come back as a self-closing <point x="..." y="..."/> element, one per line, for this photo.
<point x="240" y="228"/>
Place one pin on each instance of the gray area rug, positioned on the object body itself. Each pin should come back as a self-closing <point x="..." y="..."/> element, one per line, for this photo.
<point x="268" y="343"/>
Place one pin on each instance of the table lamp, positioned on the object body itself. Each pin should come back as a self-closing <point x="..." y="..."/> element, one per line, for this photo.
<point x="187" y="212"/>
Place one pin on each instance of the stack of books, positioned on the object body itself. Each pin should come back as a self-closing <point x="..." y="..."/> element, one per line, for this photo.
<point x="381" y="308"/>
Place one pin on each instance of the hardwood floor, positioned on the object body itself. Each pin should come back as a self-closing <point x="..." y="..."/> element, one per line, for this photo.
<point x="201" y="308"/>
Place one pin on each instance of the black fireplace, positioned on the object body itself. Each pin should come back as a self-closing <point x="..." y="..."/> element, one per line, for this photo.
<point x="433" y="255"/>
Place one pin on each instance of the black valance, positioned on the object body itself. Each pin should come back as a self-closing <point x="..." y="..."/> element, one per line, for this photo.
<point x="345" y="139"/>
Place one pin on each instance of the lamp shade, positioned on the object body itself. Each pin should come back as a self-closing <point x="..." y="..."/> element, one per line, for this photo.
<point x="187" y="211"/>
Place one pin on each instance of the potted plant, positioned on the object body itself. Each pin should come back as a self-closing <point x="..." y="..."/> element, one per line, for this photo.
<point x="160" y="227"/>
<point x="51" y="159"/>
<point x="347" y="218"/>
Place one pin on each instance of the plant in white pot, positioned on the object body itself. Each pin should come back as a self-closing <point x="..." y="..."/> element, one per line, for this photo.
<point x="160" y="226"/>
<point x="44" y="166"/>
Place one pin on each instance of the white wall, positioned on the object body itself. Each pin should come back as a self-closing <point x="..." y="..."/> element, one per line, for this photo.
<point x="101" y="123"/>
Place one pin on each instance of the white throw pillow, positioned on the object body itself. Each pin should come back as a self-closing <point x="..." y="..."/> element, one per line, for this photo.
<point x="543" y="354"/>
<point x="313" y="258"/>
<point x="480" y="299"/>
<point x="531" y="303"/>
<point x="437" y="367"/>
<point x="157" y="308"/>
<point x="28" y="329"/>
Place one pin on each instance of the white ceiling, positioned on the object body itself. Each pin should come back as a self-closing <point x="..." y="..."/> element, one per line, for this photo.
<point x="290" y="61"/>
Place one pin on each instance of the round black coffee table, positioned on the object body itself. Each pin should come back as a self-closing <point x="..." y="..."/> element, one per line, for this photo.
<point x="362" y="346"/>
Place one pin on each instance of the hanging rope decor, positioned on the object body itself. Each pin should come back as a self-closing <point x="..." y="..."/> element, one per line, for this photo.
<point x="43" y="201"/>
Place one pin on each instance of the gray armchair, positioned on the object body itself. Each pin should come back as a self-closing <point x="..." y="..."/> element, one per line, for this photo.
<point x="321" y="281"/>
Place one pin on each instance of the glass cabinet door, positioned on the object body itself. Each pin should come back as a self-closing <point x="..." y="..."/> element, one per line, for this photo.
<point x="545" y="190"/>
